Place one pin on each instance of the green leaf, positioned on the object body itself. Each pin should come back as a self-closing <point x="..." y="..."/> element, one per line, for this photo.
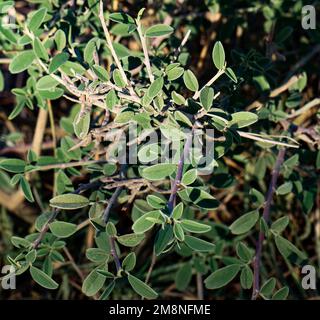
<point x="177" y="211"/>
<point x="89" y="50"/>
<point x="2" y="85"/>
<point x="289" y="251"/>
<point x="39" y="50"/>
<point x="60" y="40"/>
<point x="25" y="186"/>
<point x="21" y="61"/>
<point x="246" y="277"/>
<point x="97" y="255"/>
<point x="101" y="72"/>
<point x="182" y="118"/>
<point x="121" y="17"/>
<point x="178" y="232"/>
<point x="163" y="239"/>
<point x="124" y="117"/>
<point x="178" y="98"/>
<point x="117" y="78"/>
<point x="12" y="165"/>
<point x="218" y="55"/>
<point x="285" y="188"/>
<point x="158" y="171"/>
<point x="107" y="291"/>
<point x="129" y="262"/>
<point x="229" y="72"/>
<point x="207" y="97"/>
<point x="58" y="61"/>
<point x="280" y="224"/>
<point x="199" y="197"/>
<point x="111" y="229"/>
<point x="62" y="229"/>
<point x="111" y="99"/>
<point x="20" y="242"/>
<point x="222" y="277"/>
<point x="245" y="222"/>
<point x="183" y="277"/>
<point x="189" y="177"/>
<point x="131" y="239"/>
<point x="199" y="244"/>
<point x="141" y="288"/>
<point x="268" y="287"/>
<point x="81" y="127"/>
<point x="159" y="30"/>
<point x="37" y="19"/>
<point x="190" y="80"/>
<point x="148" y="153"/>
<point x="155" y="202"/>
<point x="42" y="278"/>
<point x="243" y="252"/>
<point x="46" y="83"/>
<point x="155" y="88"/>
<point x="281" y="294"/>
<point x="105" y="273"/>
<point x="195" y="227"/>
<point x="175" y="73"/>
<point x="142" y="224"/>
<point x="242" y="119"/>
<point x="93" y="283"/>
<point x="69" y="201"/>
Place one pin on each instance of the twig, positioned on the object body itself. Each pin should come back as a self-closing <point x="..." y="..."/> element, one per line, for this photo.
<point x="74" y="265"/>
<point x="274" y="93"/>
<point x="113" y="199"/>
<point x="209" y="83"/>
<point x="266" y="217"/>
<point x="303" y="61"/>
<point x="182" y="44"/>
<point x="114" y="254"/>
<point x="55" y="212"/>
<point x="109" y="43"/>
<point x="200" y="286"/>
<point x="152" y="264"/>
<point x="145" y="52"/>
<point x="305" y="108"/>
<point x="177" y="180"/>
<point x="253" y="136"/>
<point x="67" y="165"/>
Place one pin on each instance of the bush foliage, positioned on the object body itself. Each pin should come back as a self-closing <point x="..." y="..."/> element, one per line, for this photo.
<point x="84" y="72"/>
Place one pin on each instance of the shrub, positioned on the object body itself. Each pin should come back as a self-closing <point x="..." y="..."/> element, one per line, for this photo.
<point x="121" y="96"/>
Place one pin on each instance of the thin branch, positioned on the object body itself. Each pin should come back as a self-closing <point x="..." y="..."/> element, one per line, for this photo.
<point x="209" y="83"/>
<point x="200" y="286"/>
<point x="110" y="45"/>
<point x="55" y="212"/>
<point x="177" y="180"/>
<point x="305" y="108"/>
<point x="274" y="93"/>
<point x="152" y="264"/>
<point x="114" y="254"/>
<point x="113" y="199"/>
<point x="257" y="137"/>
<point x="182" y="44"/>
<point x="67" y="165"/>
<point x="73" y="263"/>
<point x="145" y="52"/>
<point x="266" y="217"/>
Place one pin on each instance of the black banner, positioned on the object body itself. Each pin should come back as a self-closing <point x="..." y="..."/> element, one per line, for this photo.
<point x="101" y="310"/>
